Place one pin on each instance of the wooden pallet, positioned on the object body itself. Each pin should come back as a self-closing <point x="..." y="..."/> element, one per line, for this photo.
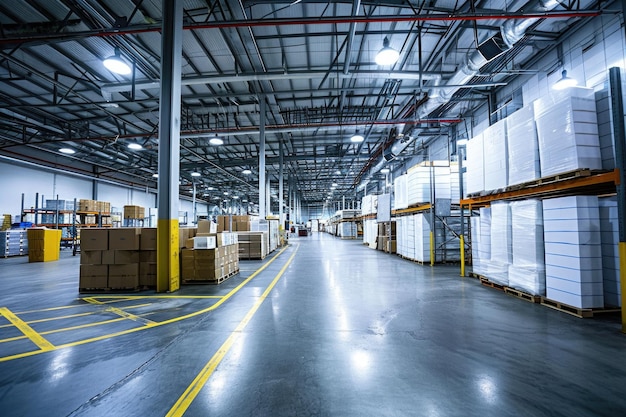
<point x="484" y="281"/>
<point x="108" y="290"/>
<point x="522" y="295"/>
<point x="576" y="311"/>
<point x="210" y="281"/>
<point x="475" y="275"/>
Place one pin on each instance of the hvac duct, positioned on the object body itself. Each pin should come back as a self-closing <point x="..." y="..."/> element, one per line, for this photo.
<point x="510" y="33"/>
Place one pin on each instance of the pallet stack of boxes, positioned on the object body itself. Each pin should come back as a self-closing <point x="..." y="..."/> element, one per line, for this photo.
<point x="210" y="257"/>
<point x="253" y="245"/>
<point x="43" y="244"/>
<point x="118" y="258"/>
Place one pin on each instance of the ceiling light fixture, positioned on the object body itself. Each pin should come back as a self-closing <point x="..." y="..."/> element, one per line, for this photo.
<point x="135" y="146"/>
<point x="246" y="171"/>
<point x="196" y="174"/>
<point x="385" y="170"/>
<point x="236" y="197"/>
<point x="116" y="64"/>
<point x="67" y="151"/>
<point x="387" y="55"/>
<point x="216" y="140"/>
<point x="356" y="138"/>
<point x="564" y="82"/>
<point x="155" y="175"/>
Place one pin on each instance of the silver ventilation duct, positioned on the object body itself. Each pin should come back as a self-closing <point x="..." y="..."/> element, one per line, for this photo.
<point x="510" y="33"/>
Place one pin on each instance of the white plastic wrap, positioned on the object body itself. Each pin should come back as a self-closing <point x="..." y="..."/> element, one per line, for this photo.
<point x="484" y="246"/>
<point x="573" y="251"/>
<point x="422" y="238"/>
<point x="567" y="132"/>
<point x="401" y="197"/>
<point x="609" y="234"/>
<point x="455" y="189"/>
<point x="475" y="165"/>
<point x="476" y="261"/>
<point x="419" y="179"/>
<point x="523" y="146"/>
<point x="496" y="159"/>
<point x="497" y="269"/>
<point x="528" y="271"/>
<point x="370" y="231"/>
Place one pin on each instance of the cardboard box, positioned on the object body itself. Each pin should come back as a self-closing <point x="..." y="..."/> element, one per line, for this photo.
<point x="123" y="257"/>
<point x="148" y="256"/>
<point x="147" y="274"/>
<point x="148" y="240"/>
<point x="91" y="257"/>
<point x="134" y="212"/>
<point x="124" y="238"/>
<point x="108" y="257"/>
<point x="94" y="239"/>
<point x="43" y="244"/>
<point x="123" y="276"/>
<point x="93" y="276"/>
<point x="204" y="226"/>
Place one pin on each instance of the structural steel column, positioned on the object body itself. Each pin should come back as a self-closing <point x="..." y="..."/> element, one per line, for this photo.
<point x="617" y="107"/>
<point x="281" y="215"/>
<point x="168" y="272"/>
<point x="262" y="196"/>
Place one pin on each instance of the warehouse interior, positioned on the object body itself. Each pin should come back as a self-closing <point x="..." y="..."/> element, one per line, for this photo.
<point x="268" y="207"/>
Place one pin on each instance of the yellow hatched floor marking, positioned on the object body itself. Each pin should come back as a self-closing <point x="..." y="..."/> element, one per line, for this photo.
<point x="119" y="300"/>
<point x="28" y="331"/>
<point x="70" y="316"/>
<point x="161" y="323"/>
<point x="185" y="400"/>
<point x="120" y="312"/>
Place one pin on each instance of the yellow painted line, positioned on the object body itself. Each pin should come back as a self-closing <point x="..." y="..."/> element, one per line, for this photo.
<point x="138" y="297"/>
<point x="172" y="320"/>
<point x="121" y="312"/>
<point x="72" y="306"/>
<point x="197" y="384"/>
<point x="28" y="331"/>
<point x="70" y="316"/>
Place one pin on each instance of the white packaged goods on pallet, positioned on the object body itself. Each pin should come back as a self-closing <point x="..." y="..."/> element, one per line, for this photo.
<point x="419" y="179"/>
<point x="347" y="230"/>
<point x="496" y="157"/>
<point x="573" y="251"/>
<point x="497" y="269"/>
<point x="528" y="271"/>
<point x="523" y="146"/>
<point x="609" y="235"/>
<point x="370" y="231"/>
<point x="422" y="238"/>
<point x="455" y="189"/>
<point x="475" y="236"/>
<point x="369" y="204"/>
<point x="401" y="197"/>
<point x="605" y="129"/>
<point x="410" y="237"/>
<point x="567" y="131"/>
<point x="484" y="249"/>
<point x="475" y="165"/>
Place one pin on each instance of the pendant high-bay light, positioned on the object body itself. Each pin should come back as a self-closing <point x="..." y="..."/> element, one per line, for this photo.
<point x="387" y="55"/>
<point x="116" y="64"/>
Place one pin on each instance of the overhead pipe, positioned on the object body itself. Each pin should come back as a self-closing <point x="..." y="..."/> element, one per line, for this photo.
<point x="137" y="29"/>
<point x="510" y="33"/>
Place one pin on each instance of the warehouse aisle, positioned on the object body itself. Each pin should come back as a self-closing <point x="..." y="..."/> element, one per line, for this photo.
<point x="328" y="328"/>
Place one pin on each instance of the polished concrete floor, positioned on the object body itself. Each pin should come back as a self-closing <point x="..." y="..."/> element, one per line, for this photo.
<point x="336" y="330"/>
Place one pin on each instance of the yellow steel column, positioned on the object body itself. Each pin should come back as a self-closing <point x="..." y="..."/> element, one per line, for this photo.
<point x="168" y="269"/>
<point x="432" y="248"/>
<point x="462" y="256"/>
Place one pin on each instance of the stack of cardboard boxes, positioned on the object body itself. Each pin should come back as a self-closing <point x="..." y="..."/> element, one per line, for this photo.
<point x="233" y="223"/>
<point x="134" y="212"/>
<point x="209" y="257"/>
<point x="119" y="258"/>
<point x="253" y="245"/>
<point x="386" y="239"/>
<point x="43" y="244"/>
<point x="93" y="206"/>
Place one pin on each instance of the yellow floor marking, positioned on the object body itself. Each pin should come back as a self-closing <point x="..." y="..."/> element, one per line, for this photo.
<point x="122" y="298"/>
<point x="197" y="384"/>
<point x="70" y="316"/>
<point x="121" y="312"/>
<point x="28" y="331"/>
<point x="169" y="321"/>
<point x="137" y="297"/>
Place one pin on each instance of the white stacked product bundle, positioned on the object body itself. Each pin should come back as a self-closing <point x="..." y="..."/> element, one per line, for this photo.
<point x="484" y="246"/>
<point x="455" y="189"/>
<point x="497" y="269"/>
<point x="419" y="179"/>
<point x="475" y="165"/>
<point x="567" y="131"/>
<point x="422" y="238"/>
<point x="410" y="237"/>
<point x="528" y="270"/>
<point x="401" y="197"/>
<point x="605" y="128"/>
<point x="609" y="235"/>
<point x="475" y="242"/>
<point x="366" y="204"/>
<point x="370" y="232"/>
<point x="523" y="146"/>
<point x="347" y="230"/>
<point x="573" y="251"/>
<point x="400" y="236"/>
<point x="496" y="156"/>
